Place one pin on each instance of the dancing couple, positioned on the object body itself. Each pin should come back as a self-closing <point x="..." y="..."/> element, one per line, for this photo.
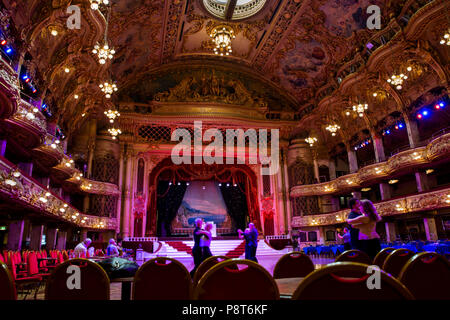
<point x="202" y="242"/>
<point x="251" y="241"/>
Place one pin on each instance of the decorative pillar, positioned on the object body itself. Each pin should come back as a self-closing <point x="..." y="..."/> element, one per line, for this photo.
<point x="279" y="202"/>
<point x="422" y="181"/>
<point x="332" y="168"/>
<point x="2" y="147"/>
<point x="286" y="189"/>
<point x="119" y="199"/>
<point x="61" y="241"/>
<point x="316" y="170"/>
<point x="430" y="229"/>
<point x="391" y="234"/>
<point x="92" y="134"/>
<point x="15" y="235"/>
<point x="126" y="195"/>
<point x="412" y="130"/>
<point x="36" y="237"/>
<point x="378" y="147"/>
<point x="385" y="191"/>
<point x="51" y="238"/>
<point x="352" y="160"/>
<point x="322" y="237"/>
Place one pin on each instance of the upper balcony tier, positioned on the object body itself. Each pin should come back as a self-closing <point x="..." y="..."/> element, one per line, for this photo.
<point x="437" y="149"/>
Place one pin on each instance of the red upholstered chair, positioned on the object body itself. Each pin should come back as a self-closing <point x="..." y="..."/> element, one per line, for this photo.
<point x="354" y="256"/>
<point x="381" y="256"/>
<point x="224" y="282"/>
<point x="293" y="265"/>
<point x="331" y="283"/>
<point x="1" y="258"/>
<point x="59" y="257"/>
<point x="7" y="287"/>
<point x="427" y="276"/>
<point x="206" y="265"/>
<point x="162" y="279"/>
<point x="396" y="260"/>
<point x="94" y="282"/>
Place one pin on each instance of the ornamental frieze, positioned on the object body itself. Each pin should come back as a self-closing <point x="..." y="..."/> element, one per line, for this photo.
<point x="437" y="148"/>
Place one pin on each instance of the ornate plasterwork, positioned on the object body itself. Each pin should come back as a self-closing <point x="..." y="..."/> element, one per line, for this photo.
<point x="29" y="192"/>
<point x="437" y="148"/>
<point x="400" y="206"/>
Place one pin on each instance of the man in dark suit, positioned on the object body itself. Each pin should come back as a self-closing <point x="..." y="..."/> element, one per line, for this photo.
<point x="354" y="205"/>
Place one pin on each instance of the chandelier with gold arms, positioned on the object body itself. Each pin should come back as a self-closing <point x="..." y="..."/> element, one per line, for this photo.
<point x="333" y="128"/>
<point x="446" y="38"/>
<point x="397" y="79"/>
<point x="95" y="4"/>
<point x="360" y="108"/>
<point x="112" y="115"/>
<point x="222" y="36"/>
<point x="103" y="51"/>
<point x="108" y="88"/>
<point x="311" y="141"/>
<point x="114" y="132"/>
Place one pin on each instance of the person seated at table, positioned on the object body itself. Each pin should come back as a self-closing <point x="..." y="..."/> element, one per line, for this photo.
<point x="80" y="250"/>
<point x="368" y="238"/>
<point x="346" y="237"/>
<point x="112" y="250"/>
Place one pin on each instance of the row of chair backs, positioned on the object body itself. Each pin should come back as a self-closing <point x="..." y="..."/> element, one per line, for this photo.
<point x="333" y="283"/>
<point x="206" y="265"/>
<point x="354" y="256"/>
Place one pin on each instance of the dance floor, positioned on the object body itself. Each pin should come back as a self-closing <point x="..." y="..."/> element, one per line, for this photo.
<point x="268" y="262"/>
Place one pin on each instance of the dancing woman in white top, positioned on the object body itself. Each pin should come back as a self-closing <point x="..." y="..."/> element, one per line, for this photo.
<point x="367" y="225"/>
<point x="205" y="242"/>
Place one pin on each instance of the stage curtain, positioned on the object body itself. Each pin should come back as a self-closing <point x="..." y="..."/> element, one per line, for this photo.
<point x="168" y="205"/>
<point x="236" y="203"/>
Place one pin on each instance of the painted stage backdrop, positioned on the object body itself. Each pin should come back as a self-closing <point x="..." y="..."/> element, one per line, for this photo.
<point x="202" y="199"/>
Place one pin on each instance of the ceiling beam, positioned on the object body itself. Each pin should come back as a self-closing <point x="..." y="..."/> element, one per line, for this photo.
<point x="231" y="5"/>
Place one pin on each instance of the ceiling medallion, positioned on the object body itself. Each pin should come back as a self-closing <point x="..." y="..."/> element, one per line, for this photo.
<point x="108" y="88"/>
<point x="311" y="141"/>
<point x="222" y="36"/>
<point x="241" y="9"/>
<point x="333" y="128"/>
<point x="446" y="38"/>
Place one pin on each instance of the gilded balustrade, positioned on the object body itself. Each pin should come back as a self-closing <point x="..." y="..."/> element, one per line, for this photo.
<point x="21" y="188"/>
<point x="415" y="203"/>
<point x="438" y="148"/>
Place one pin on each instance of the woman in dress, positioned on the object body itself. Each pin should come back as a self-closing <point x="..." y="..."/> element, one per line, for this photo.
<point x="367" y="225"/>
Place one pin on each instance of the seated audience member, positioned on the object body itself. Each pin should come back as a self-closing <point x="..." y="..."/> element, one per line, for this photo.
<point x="81" y="250"/>
<point x="112" y="250"/>
<point x="346" y="238"/>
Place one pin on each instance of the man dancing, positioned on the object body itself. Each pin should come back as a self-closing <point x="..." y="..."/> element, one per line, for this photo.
<point x="251" y="241"/>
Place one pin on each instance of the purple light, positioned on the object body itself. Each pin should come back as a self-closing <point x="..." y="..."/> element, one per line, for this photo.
<point x="369" y="45"/>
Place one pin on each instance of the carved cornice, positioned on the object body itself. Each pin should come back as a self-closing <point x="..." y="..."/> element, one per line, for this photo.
<point x="438" y="148"/>
<point x="401" y="206"/>
<point x="98" y="187"/>
<point x="29" y="192"/>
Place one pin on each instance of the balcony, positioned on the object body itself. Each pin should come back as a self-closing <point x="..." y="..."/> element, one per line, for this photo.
<point x="396" y="207"/>
<point x="9" y="89"/>
<point x="50" y="153"/>
<point x="19" y="188"/>
<point x="402" y="162"/>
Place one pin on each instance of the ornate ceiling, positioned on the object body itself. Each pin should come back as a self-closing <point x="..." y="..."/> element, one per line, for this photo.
<point x="288" y="50"/>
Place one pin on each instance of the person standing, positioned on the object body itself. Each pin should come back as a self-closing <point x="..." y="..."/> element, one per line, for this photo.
<point x="196" y="251"/>
<point x="112" y="250"/>
<point x="369" y="240"/>
<point x="346" y="238"/>
<point x="355" y="206"/>
<point x="81" y="250"/>
<point x="251" y="241"/>
<point x="205" y="242"/>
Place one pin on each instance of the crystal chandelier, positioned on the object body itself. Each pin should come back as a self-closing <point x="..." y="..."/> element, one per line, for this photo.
<point x="333" y="128"/>
<point x="397" y="79"/>
<point x="108" y="89"/>
<point x="446" y="38"/>
<point x="112" y="115"/>
<point x="311" y="141"/>
<point x="360" y="108"/>
<point x="222" y="36"/>
<point x="103" y="52"/>
<point x="95" y="4"/>
<point x="114" y="132"/>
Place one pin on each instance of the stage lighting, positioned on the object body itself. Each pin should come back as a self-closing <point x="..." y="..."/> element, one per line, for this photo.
<point x="228" y="184"/>
<point x="170" y="183"/>
<point x="425" y="113"/>
<point x="400" y="125"/>
<point x="3" y="42"/>
<point x="203" y="187"/>
<point x="419" y="116"/>
<point x="220" y="184"/>
<point x="179" y="183"/>
<point x="187" y="183"/>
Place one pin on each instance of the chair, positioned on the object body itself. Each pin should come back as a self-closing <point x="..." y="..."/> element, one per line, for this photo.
<point x="427" y="276"/>
<point x="7" y="288"/>
<point x="381" y="256"/>
<point x="396" y="260"/>
<point x="93" y="282"/>
<point x="162" y="279"/>
<point x="206" y="265"/>
<point x="293" y="265"/>
<point x="331" y="283"/>
<point x="354" y="256"/>
<point x="65" y="255"/>
<point x="224" y="282"/>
